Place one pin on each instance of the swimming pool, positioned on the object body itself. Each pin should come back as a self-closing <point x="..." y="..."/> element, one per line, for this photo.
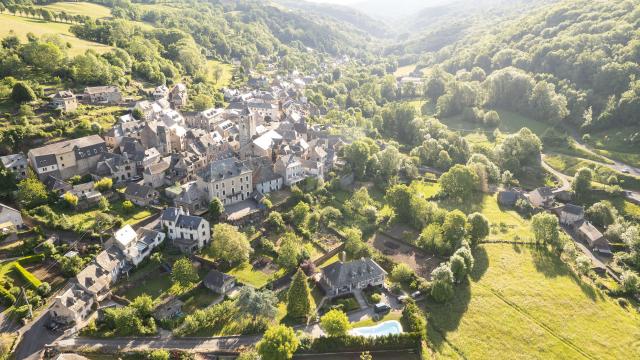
<point x="384" y="328"/>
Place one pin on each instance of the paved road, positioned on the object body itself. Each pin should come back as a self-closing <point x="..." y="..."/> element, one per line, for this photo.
<point x="227" y="343"/>
<point x="564" y="179"/>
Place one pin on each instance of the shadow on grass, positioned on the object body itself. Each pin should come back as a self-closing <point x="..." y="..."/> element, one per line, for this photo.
<point x="481" y="263"/>
<point x="445" y="318"/>
<point x="551" y="266"/>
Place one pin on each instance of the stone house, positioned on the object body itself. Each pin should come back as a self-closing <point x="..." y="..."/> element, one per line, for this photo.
<point x="103" y="94"/>
<point x="141" y="195"/>
<point x="345" y="277"/>
<point x="64" y="101"/>
<point x="68" y="158"/>
<point x="219" y="282"/>
<point x="189" y="233"/>
<point x="178" y="96"/>
<point x="229" y="180"/>
<point x="17" y="164"/>
<point x="290" y="168"/>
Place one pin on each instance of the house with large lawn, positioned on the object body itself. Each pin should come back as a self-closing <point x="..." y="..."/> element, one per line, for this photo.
<point x="189" y="233"/>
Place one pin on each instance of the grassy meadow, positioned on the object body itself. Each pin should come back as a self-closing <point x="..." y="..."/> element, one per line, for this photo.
<point x="523" y="303"/>
<point x="220" y="73"/>
<point x="80" y="8"/>
<point x="21" y="26"/>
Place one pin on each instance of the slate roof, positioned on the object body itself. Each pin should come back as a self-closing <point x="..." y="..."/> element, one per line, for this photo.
<point x="9" y="161"/>
<point x="217" y="279"/>
<point x="83" y="147"/>
<point x="137" y="190"/>
<point x="340" y="274"/>
<point x="223" y="169"/>
<point x="170" y="214"/>
<point x="189" y="221"/>
<point x="573" y="209"/>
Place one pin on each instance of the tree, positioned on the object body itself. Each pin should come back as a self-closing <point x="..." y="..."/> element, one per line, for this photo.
<point x="582" y="182"/>
<point x="127" y="206"/>
<point x="158" y="354"/>
<point x="353" y="244"/>
<point x="22" y="93"/>
<point x="229" y="244"/>
<point x="290" y="251"/>
<point x="202" y="102"/>
<point x="103" y="184"/>
<point x="454" y="228"/>
<point x="466" y="254"/>
<point x="259" y="303"/>
<point x="278" y="343"/>
<point x="183" y="273"/>
<point x="477" y="228"/>
<point x="545" y="229"/>
<point x="275" y="223"/>
<point x="442" y="283"/>
<point x="459" y="182"/>
<point x="300" y="304"/>
<point x="491" y="118"/>
<point x="458" y="268"/>
<point x="413" y="317"/>
<point x="365" y="355"/>
<point x="602" y="213"/>
<point x="249" y="354"/>
<point x="70" y="199"/>
<point x="299" y="215"/>
<point x="335" y="323"/>
<point x="216" y="209"/>
<point x="32" y="193"/>
<point x="630" y="282"/>
<point x="583" y="264"/>
<point x="402" y="273"/>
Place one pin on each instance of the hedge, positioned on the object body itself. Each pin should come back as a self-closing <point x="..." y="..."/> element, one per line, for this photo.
<point x="360" y="343"/>
<point x="27" y="276"/>
<point x="6" y="297"/>
<point x="33" y="259"/>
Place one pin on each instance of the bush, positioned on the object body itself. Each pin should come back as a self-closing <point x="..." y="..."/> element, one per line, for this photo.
<point x="6" y="298"/>
<point x="27" y="276"/>
<point x="22" y="311"/>
<point x="376" y="298"/>
<point x="44" y="289"/>
<point x="414" y="319"/>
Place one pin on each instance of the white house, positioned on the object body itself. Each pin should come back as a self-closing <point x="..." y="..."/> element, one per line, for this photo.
<point x="10" y="217"/>
<point x="72" y="306"/>
<point x="189" y="233"/>
<point x="290" y="168"/>
<point x="136" y="246"/>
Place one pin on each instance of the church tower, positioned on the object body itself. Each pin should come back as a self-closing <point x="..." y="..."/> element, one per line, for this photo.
<point x="247" y="127"/>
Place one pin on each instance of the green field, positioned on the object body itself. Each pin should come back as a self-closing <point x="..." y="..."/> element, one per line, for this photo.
<point x="21" y="26"/>
<point x="524" y="303"/>
<point x="506" y="224"/>
<point x="220" y="73"/>
<point x="80" y="8"/>
<point x="510" y="122"/>
<point x="569" y="165"/>
<point x="404" y="70"/>
<point x="254" y="277"/>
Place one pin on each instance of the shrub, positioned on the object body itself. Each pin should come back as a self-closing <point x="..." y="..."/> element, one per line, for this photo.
<point x="414" y="319"/>
<point x="22" y="311"/>
<point x="402" y="273"/>
<point x="103" y="184"/>
<point x="27" y="276"/>
<point x="359" y="343"/>
<point x="376" y="298"/>
<point x="6" y="297"/>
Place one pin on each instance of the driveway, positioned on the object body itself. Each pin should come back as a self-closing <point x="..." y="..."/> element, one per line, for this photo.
<point x="565" y="180"/>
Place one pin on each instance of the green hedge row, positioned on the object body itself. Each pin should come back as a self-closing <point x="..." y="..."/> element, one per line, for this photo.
<point x="33" y="259"/>
<point x="360" y="343"/>
<point x="27" y="276"/>
<point x="6" y="297"/>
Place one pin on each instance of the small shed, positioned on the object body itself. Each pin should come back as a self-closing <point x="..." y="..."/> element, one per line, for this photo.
<point x="219" y="282"/>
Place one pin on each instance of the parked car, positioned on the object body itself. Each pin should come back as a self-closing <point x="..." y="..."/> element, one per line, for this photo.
<point x="381" y="308"/>
<point x="416" y="294"/>
<point x="626" y="170"/>
<point x="402" y="298"/>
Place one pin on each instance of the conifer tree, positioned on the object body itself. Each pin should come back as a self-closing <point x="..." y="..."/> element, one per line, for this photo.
<point x="300" y="304"/>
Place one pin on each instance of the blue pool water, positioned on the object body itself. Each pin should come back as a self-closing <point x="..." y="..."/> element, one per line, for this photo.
<point x="384" y="328"/>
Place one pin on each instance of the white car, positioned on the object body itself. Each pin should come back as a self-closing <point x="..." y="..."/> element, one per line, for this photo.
<point x="626" y="170"/>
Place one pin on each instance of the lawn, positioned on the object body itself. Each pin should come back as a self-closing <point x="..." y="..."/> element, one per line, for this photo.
<point x="21" y="26"/>
<point x="506" y="224"/>
<point x="220" y="73"/>
<point x="510" y="122"/>
<point x="154" y="286"/>
<point x="131" y="217"/>
<point x="80" y="8"/>
<point x="614" y="143"/>
<point x="524" y="304"/>
<point x="246" y="274"/>
<point x="395" y="315"/>
<point x="198" y="298"/>
<point x="404" y="70"/>
<point x="569" y="165"/>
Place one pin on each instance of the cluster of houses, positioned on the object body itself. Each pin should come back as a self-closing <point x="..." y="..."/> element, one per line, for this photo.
<point x="570" y="215"/>
<point x="123" y="252"/>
